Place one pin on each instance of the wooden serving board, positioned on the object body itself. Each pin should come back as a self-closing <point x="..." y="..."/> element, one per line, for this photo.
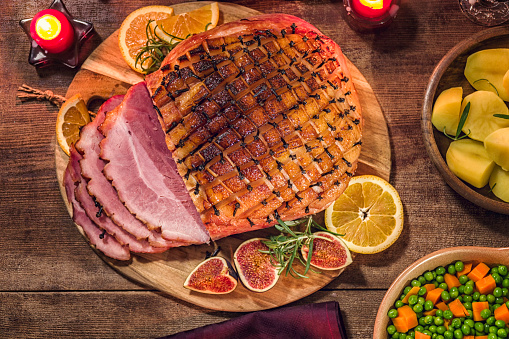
<point x="105" y="74"/>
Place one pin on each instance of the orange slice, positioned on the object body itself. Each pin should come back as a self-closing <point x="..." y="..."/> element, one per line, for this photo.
<point x="182" y="26"/>
<point x="72" y="116"/>
<point x="133" y="33"/>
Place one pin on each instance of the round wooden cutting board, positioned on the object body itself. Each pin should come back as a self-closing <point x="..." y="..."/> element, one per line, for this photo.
<point x="105" y="74"/>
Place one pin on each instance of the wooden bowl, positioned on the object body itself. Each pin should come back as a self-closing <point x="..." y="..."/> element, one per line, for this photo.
<point x="443" y="257"/>
<point x="449" y="73"/>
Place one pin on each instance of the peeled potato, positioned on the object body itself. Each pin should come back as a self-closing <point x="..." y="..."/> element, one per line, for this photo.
<point x="470" y="162"/>
<point x="505" y="81"/>
<point x="497" y="147"/>
<point x="499" y="183"/>
<point x="446" y="111"/>
<point x="480" y="121"/>
<point x="491" y="65"/>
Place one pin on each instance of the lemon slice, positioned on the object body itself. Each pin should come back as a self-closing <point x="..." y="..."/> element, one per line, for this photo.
<point x="71" y="117"/>
<point x="369" y="214"/>
<point x="133" y="33"/>
<point x="179" y="27"/>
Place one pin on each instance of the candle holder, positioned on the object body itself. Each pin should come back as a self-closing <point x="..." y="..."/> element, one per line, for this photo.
<point x="369" y="24"/>
<point x="39" y="57"/>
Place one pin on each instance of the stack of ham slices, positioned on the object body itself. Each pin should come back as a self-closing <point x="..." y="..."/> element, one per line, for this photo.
<point x="245" y="124"/>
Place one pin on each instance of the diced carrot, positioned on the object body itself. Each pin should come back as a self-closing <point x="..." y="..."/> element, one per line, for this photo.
<point x="429" y="287"/>
<point x="406" y="319"/>
<point x="466" y="270"/>
<point x="434" y="295"/>
<point x="413" y="291"/>
<point x="430" y="312"/>
<point x="442" y="306"/>
<point x="419" y="335"/>
<point x="447" y="322"/>
<point x="486" y="285"/>
<point x="502" y="313"/>
<point x="481" y="337"/>
<point x="469" y="337"/>
<point x="451" y="281"/>
<point x="477" y="307"/>
<point x="478" y="272"/>
<point x="457" y="308"/>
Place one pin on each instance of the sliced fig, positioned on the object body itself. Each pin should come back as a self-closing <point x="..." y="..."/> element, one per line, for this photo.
<point x="329" y="254"/>
<point x="258" y="271"/>
<point x="213" y="276"/>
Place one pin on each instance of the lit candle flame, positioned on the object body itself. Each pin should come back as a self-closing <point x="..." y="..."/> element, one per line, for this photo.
<point x="48" y="27"/>
<point x="374" y="4"/>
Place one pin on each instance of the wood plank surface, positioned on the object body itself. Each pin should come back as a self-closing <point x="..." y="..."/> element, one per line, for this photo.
<point x="44" y="261"/>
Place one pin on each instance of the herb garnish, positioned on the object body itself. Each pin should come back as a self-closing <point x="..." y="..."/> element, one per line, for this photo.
<point x="155" y="49"/>
<point x="285" y="247"/>
<point x="503" y="116"/>
<point x="461" y="123"/>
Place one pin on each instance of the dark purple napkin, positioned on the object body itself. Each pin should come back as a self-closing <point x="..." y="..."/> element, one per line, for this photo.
<point x="321" y="320"/>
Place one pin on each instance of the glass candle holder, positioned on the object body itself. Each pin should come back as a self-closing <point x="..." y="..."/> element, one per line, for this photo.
<point x="58" y="37"/>
<point x="368" y="16"/>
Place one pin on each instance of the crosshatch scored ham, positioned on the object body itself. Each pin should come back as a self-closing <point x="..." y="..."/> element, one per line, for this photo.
<point x="260" y="121"/>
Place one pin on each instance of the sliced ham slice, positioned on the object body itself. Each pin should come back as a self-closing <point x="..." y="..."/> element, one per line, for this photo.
<point x="102" y="241"/>
<point x="101" y="189"/>
<point x="104" y="222"/>
<point x="143" y="172"/>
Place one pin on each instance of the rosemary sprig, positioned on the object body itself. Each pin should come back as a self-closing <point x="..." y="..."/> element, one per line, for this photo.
<point x="155" y="49"/>
<point x="285" y="247"/>
<point x="461" y="123"/>
<point x="502" y="116"/>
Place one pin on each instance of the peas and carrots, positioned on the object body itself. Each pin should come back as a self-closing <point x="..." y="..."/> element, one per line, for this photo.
<point x="458" y="301"/>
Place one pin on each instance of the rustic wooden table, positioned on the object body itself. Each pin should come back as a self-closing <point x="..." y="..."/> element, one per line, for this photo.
<point x="53" y="285"/>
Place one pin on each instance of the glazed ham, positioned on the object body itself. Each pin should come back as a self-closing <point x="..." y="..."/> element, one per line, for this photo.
<point x="262" y="120"/>
<point x="250" y="122"/>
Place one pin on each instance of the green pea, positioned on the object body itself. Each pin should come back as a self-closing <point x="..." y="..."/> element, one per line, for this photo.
<point x="494" y="270"/>
<point x="428" y="319"/>
<point x="479" y="326"/>
<point x="470" y="282"/>
<point x="500" y="323"/>
<point x="458" y="334"/>
<point x="417" y="308"/>
<point x="463" y="279"/>
<point x="448" y="334"/>
<point x="412" y="300"/>
<point x="502" y="270"/>
<point x="486" y="313"/>
<point x="399" y="304"/>
<point x="443" y="286"/>
<point x="476" y="295"/>
<point x="456" y="323"/>
<point x="439" y="313"/>
<point x="419" y="328"/>
<point x="467" y="298"/>
<point x="439" y="337"/>
<point x="415" y="283"/>
<point x="467" y="305"/>
<point x="428" y="276"/>
<point x="393" y="313"/>
<point x="502" y="333"/>
<point x="395" y="335"/>
<point x="499" y="300"/>
<point x="468" y="289"/>
<point x="465" y="329"/>
<point x="445" y="296"/>
<point x="406" y="290"/>
<point x="505" y="282"/>
<point x="421" y="300"/>
<point x="428" y="305"/>
<point x="439" y="279"/>
<point x="422" y="280"/>
<point x="459" y="266"/>
<point x="486" y="328"/>
<point x="507" y="304"/>
<point x="483" y="297"/>
<point x="505" y="291"/>
<point x="491" y="320"/>
<point x="432" y="329"/>
<point x="391" y="329"/>
<point x="441" y="329"/>
<point x="402" y="336"/>
<point x="451" y="269"/>
<point x="422" y="291"/>
<point x="498" y="279"/>
<point x="438" y="321"/>
<point x="492" y="336"/>
<point x="493" y="329"/>
<point x="454" y="292"/>
<point x="440" y="270"/>
<point x="448" y="314"/>
<point x="490" y="298"/>
<point x="461" y="289"/>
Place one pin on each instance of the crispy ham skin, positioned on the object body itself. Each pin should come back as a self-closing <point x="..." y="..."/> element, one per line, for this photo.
<point x="262" y="120"/>
<point x="143" y="172"/>
<point x="101" y="240"/>
<point x="101" y="189"/>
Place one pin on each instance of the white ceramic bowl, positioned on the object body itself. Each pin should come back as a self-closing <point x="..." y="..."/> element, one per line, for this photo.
<point x="443" y="257"/>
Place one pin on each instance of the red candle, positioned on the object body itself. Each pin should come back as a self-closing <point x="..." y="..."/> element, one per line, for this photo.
<point x="52" y="31"/>
<point x="371" y="8"/>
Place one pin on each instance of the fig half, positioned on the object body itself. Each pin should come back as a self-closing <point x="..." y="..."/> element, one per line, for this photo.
<point x="213" y="276"/>
<point x="258" y="271"/>
<point x="329" y="254"/>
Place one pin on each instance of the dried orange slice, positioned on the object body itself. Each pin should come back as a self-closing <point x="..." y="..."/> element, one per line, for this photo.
<point x="179" y="27"/>
<point x="71" y="117"/>
<point x="369" y="214"/>
<point x="133" y="33"/>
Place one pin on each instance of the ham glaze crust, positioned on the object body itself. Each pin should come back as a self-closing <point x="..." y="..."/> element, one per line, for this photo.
<point x="262" y="119"/>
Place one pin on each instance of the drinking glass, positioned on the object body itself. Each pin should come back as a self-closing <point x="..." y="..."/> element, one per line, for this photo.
<point x="486" y="12"/>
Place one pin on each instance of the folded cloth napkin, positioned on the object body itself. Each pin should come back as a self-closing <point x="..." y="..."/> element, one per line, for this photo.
<point x="322" y="320"/>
